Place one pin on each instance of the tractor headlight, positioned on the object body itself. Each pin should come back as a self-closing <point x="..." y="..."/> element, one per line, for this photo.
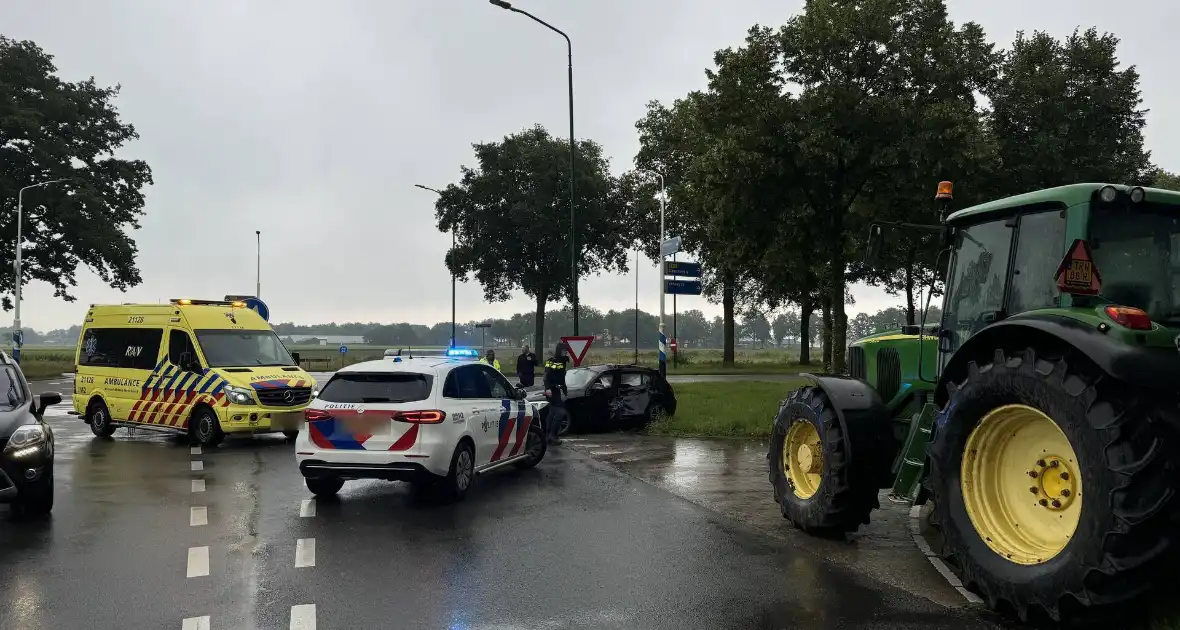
<point x="26" y="436"/>
<point x="239" y="395"/>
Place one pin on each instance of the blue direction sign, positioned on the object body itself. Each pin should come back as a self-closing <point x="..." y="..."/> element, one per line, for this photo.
<point x="682" y="269"/>
<point x="682" y="287"/>
<point x="259" y="307"/>
<point x="343" y="349"/>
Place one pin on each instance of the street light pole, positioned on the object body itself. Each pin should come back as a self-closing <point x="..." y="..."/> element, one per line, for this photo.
<point x="573" y="225"/>
<point x="663" y="345"/>
<point x="17" y="334"/>
<point x="452" y="274"/>
<point x="258" y="261"/>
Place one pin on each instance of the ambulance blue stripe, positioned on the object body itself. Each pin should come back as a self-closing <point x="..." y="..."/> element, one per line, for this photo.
<point x="187" y="377"/>
<point x="209" y="383"/>
<point x="155" y="372"/>
<point x="196" y="381"/>
<point x="175" y="376"/>
<point x="166" y="374"/>
<point x="217" y="390"/>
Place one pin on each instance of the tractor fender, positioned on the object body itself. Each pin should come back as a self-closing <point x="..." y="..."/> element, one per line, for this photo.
<point x="1152" y="368"/>
<point x="865" y="418"/>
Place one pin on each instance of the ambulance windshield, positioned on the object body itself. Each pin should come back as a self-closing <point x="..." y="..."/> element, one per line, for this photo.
<point x="1137" y="254"/>
<point x="243" y="348"/>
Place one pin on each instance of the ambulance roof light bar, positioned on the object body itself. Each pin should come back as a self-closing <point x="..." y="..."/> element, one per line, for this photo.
<point x="190" y="302"/>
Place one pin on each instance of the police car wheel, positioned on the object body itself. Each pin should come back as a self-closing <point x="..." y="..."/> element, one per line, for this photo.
<point x="206" y="428"/>
<point x="461" y="476"/>
<point x="535" y="447"/>
<point x="324" y="487"/>
<point x="100" y="420"/>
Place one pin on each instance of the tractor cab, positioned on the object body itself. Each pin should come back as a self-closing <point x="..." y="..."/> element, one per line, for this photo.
<point x="1099" y="253"/>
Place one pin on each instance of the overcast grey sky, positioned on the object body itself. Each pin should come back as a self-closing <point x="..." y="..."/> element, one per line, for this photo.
<point x="312" y="121"/>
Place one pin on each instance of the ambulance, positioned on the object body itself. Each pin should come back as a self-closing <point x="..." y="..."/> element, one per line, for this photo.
<point x="203" y="368"/>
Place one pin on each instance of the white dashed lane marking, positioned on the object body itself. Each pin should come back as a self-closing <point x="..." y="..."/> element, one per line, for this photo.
<point x="198" y="485"/>
<point x="198" y="465"/>
<point x="196" y="450"/>
<point x="195" y="623"/>
<point x="198" y="562"/>
<point x="303" y="617"/>
<point x="307" y="508"/>
<point x="198" y="515"/>
<point x="305" y="553"/>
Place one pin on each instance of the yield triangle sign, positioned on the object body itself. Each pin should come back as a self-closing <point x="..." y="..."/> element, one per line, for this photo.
<point x="1077" y="274"/>
<point x="578" y="347"/>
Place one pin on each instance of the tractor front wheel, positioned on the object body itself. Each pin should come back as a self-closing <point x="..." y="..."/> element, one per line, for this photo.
<point x="817" y="484"/>
<point x="1052" y="487"/>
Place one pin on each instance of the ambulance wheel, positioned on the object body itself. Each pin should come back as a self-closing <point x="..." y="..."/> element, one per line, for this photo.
<point x="534" y="448"/>
<point x="290" y="435"/>
<point x="324" y="487"/>
<point x="205" y="428"/>
<point x="100" y="419"/>
<point x="461" y="475"/>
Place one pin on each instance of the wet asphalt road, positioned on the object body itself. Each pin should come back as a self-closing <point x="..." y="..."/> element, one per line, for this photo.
<point x="571" y="544"/>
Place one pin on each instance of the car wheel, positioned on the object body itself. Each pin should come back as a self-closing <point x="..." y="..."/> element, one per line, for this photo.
<point x="291" y="435"/>
<point x="461" y="475"/>
<point x="535" y="447"/>
<point x="205" y="428"/>
<point x="35" y="499"/>
<point x="324" y="487"/>
<point x="100" y="419"/>
<point x="655" y="413"/>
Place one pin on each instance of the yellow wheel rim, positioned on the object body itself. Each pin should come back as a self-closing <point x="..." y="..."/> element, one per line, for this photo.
<point x="1021" y="484"/>
<point x="803" y="459"/>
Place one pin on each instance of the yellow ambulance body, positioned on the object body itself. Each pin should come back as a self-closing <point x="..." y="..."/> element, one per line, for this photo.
<point x="203" y="368"/>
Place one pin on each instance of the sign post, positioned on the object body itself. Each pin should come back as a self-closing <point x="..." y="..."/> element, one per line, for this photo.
<point x="484" y="336"/>
<point x="578" y="346"/>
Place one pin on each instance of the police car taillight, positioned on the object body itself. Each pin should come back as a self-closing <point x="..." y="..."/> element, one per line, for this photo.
<point x="315" y="415"/>
<point x="425" y="416"/>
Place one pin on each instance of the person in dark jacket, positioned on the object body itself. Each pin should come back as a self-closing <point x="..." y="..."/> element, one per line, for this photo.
<point x="526" y="367"/>
<point x="555" y="391"/>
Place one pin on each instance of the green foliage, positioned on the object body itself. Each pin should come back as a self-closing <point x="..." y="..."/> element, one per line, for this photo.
<point x="51" y="129"/>
<point x="512" y="217"/>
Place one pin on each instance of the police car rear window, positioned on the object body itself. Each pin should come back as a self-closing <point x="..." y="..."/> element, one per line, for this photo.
<point x="374" y="387"/>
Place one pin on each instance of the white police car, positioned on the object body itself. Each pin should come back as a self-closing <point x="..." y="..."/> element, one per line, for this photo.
<point x="436" y="422"/>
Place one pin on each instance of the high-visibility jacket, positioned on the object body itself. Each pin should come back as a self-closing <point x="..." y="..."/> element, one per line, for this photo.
<point x="495" y="363"/>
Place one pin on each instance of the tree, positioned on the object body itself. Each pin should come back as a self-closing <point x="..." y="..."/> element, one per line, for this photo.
<point x="51" y="129"/>
<point x="692" y="328"/>
<point x="517" y="189"/>
<point x="876" y="78"/>
<point x="1166" y="180"/>
<point x="755" y="326"/>
<point x="1063" y="112"/>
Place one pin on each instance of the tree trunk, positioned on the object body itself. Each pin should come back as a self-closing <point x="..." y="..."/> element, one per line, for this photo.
<point x="539" y="340"/>
<point x="839" y="317"/>
<point x="826" y="336"/>
<point x="805" y="310"/>
<point x="909" y="288"/>
<point x="727" y="290"/>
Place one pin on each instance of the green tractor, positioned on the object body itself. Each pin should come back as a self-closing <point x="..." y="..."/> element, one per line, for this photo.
<point x="1040" y="416"/>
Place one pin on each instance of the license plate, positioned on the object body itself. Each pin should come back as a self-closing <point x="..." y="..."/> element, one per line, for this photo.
<point x="368" y="426"/>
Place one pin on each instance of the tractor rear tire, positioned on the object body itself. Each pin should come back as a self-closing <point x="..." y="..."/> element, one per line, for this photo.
<point x="841" y="494"/>
<point x="1124" y="482"/>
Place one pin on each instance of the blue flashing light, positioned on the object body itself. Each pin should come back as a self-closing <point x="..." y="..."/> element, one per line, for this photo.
<point x="463" y="353"/>
<point x="397" y="359"/>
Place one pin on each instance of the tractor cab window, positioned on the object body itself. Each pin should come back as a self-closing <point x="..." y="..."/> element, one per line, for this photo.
<point x="976" y="287"/>
<point x="1137" y="253"/>
<point x="1040" y="245"/>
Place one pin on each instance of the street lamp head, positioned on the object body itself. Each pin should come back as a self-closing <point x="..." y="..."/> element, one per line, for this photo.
<point x="501" y="4"/>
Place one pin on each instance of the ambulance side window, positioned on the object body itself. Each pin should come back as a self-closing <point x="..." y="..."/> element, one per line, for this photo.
<point x="102" y="347"/>
<point x="141" y="348"/>
<point x="179" y="343"/>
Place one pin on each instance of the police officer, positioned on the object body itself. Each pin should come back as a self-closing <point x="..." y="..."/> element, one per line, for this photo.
<point x="555" y="391"/>
<point x="490" y="359"/>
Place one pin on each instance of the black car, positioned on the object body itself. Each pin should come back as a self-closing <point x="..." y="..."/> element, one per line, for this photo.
<point x="26" y="443"/>
<point x="605" y="397"/>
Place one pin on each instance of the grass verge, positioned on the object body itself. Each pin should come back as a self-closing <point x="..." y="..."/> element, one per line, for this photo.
<point x="735" y="409"/>
<point x="39" y="369"/>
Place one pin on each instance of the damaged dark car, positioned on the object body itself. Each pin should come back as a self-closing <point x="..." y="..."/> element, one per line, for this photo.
<point x="610" y="397"/>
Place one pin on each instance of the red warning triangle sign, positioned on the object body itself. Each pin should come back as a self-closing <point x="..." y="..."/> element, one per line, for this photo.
<point x="578" y="347"/>
<point x="1077" y="274"/>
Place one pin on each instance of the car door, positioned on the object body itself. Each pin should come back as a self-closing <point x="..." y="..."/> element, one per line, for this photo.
<point x="511" y="418"/>
<point x="466" y="392"/>
<point x="634" y="394"/>
<point x="599" y="403"/>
